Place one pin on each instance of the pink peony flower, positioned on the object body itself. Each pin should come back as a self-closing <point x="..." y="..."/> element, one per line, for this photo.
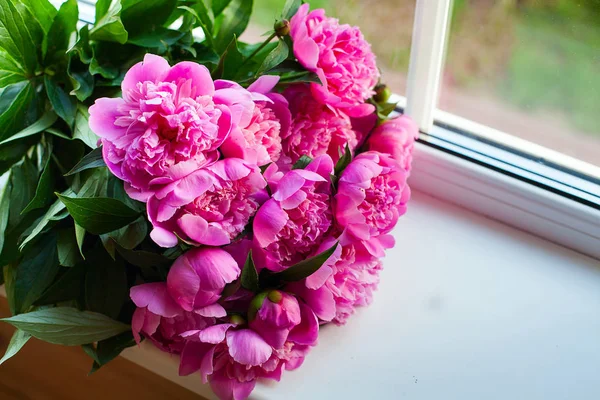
<point x="395" y="137"/>
<point x="259" y="140"/>
<point x="169" y="119"/>
<point x="279" y="317"/>
<point x="232" y="359"/>
<point x="316" y="128"/>
<point x="160" y="319"/>
<point x="339" y="55"/>
<point x="294" y="222"/>
<point x="198" y="277"/>
<point x="372" y="194"/>
<point x="210" y="206"/>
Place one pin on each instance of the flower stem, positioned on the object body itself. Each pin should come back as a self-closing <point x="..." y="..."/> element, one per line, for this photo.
<point x="262" y="46"/>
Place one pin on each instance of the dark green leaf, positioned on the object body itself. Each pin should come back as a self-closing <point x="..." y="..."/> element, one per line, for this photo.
<point x="160" y="37"/>
<point x="143" y="259"/>
<point x="82" y="47"/>
<point x="386" y="108"/>
<point x="99" y="215"/>
<point x="68" y="251"/>
<point x="40" y="125"/>
<point x="343" y="161"/>
<point x="54" y="210"/>
<point x="230" y="62"/>
<point x="5" y="192"/>
<point x="43" y="192"/>
<point x="93" y="159"/>
<point x="17" y="341"/>
<point x="128" y="237"/>
<point x="67" y="287"/>
<point x="290" y="8"/>
<point x="35" y="272"/>
<point x="64" y="24"/>
<point x="276" y="57"/>
<point x="302" y="162"/>
<point x="105" y="284"/>
<point x="144" y="16"/>
<point x="10" y="70"/>
<point x="82" y="127"/>
<point x="80" y="237"/>
<point x="205" y="55"/>
<point x="64" y="105"/>
<point x="11" y="153"/>
<point x="15" y="100"/>
<point x="249" y="277"/>
<point x="20" y="34"/>
<point x="232" y="22"/>
<point x="219" y="5"/>
<point x="305" y="268"/>
<point x="80" y="77"/>
<point x="67" y="326"/>
<point x="107" y="350"/>
<point x="109" y="26"/>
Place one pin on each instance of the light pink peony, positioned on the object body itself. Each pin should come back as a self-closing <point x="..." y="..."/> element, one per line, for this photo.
<point x="160" y="319"/>
<point x="278" y="317"/>
<point x="297" y="219"/>
<point x="339" y="55"/>
<point x="316" y="128"/>
<point x="232" y="359"/>
<point x="259" y="140"/>
<point x="395" y="137"/>
<point x="372" y="194"/>
<point x="210" y="206"/>
<point x="197" y="279"/>
<point x="169" y="119"/>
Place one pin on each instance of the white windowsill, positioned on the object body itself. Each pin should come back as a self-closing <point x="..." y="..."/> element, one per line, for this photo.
<point x="468" y="308"/>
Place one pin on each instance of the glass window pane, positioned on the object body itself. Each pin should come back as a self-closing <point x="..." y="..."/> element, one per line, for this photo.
<point x="530" y="68"/>
<point x="386" y="24"/>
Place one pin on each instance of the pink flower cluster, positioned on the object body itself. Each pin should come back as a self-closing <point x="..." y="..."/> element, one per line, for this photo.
<point x="218" y="166"/>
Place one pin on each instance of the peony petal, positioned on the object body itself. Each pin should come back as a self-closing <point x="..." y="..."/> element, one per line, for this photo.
<point x="321" y="300"/>
<point x="155" y="297"/>
<point x="264" y="84"/>
<point x="192" y="356"/>
<point x="288" y="185"/>
<point x="137" y="323"/>
<point x="268" y="222"/>
<point x="183" y="283"/>
<point x="214" y="334"/>
<point x="201" y="81"/>
<point x="248" y="347"/>
<point x="153" y="69"/>
<point x="214" y="310"/>
<point x="230" y="388"/>
<point x="103" y="114"/>
<point x="307" y="332"/>
<point x="163" y="237"/>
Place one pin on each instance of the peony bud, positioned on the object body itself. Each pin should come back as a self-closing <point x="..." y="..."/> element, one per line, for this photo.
<point x="382" y="93"/>
<point x="282" y="28"/>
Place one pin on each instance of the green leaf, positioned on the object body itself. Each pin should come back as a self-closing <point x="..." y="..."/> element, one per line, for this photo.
<point x="249" y="277"/>
<point x="82" y="127"/>
<point x="68" y="251"/>
<point x="43" y="192"/>
<point x="20" y="34"/>
<point x="5" y="191"/>
<point x="67" y="287"/>
<point x="10" y="70"/>
<point x="80" y="78"/>
<point x="56" y="41"/>
<point x="107" y="350"/>
<point x="43" y="12"/>
<point x="160" y="37"/>
<point x="302" y="162"/>
<point x="105" y="284"/>
<point x="45" y="122"/>
<point x="143" y="259"/>
<point x="67" y="326"/>
<point x="128" y="237"/>
<point x="109" y="26"/>
<point x="17" y="341"/>
<point x="35" y="272"/>
<point x="64" y="105"/>
<point x="144" y="16"/>
<point x="290" y="8"/>
<point x="15" y="100"/>
<point x="275" y="57"/>
<point x="344" y="160"/>
<point x="93" y="159"/>
<point x="303" y="269"/>
<point x="219" y="5"/>
<point x="54" y="209"/>
<point x="230" y="61"/>
<point x="232" y="22"/>
<point x="99" y="215"/>
<point x="385" y="109"/>
<point x="80" y="237"/>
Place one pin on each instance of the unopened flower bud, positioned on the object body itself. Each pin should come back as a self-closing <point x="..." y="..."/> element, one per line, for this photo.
<point x="237" y="319"/>
<point x="382" y="93"/>
<point x="282" y="28"/>
<point x="275" y="296"/>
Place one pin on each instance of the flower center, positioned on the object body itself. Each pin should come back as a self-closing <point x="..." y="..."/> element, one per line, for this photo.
<point x="382" y="199"/>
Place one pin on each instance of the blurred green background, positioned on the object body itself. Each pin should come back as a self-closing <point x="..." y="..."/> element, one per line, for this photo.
<point x="534" y="54"/>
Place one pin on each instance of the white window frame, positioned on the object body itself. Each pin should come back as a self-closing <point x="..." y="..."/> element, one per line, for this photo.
<point x="555" y="205"/>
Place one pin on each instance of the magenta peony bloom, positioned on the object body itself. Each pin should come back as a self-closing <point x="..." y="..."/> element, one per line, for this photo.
<point x="170" y="120"/>
<point x="316" y="128"/>
<point x="210" y="206"/>
<point x="372" y="194"/>
<point x="259" y="140"/>
<point x="232" y="359"/>
<point x="395" y="137"/>
<point x="279" y="317"/>
<point x="160" y="319"/>
<point x="340" y="56"/>
<point x="198" y="277"/>
<point x="298" y="217"/>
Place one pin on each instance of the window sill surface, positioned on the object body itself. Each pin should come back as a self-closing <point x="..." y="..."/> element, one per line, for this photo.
<point x="467" y="308"/>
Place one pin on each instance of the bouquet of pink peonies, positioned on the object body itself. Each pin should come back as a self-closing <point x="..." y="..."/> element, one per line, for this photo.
<point x="171" y="183"/>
